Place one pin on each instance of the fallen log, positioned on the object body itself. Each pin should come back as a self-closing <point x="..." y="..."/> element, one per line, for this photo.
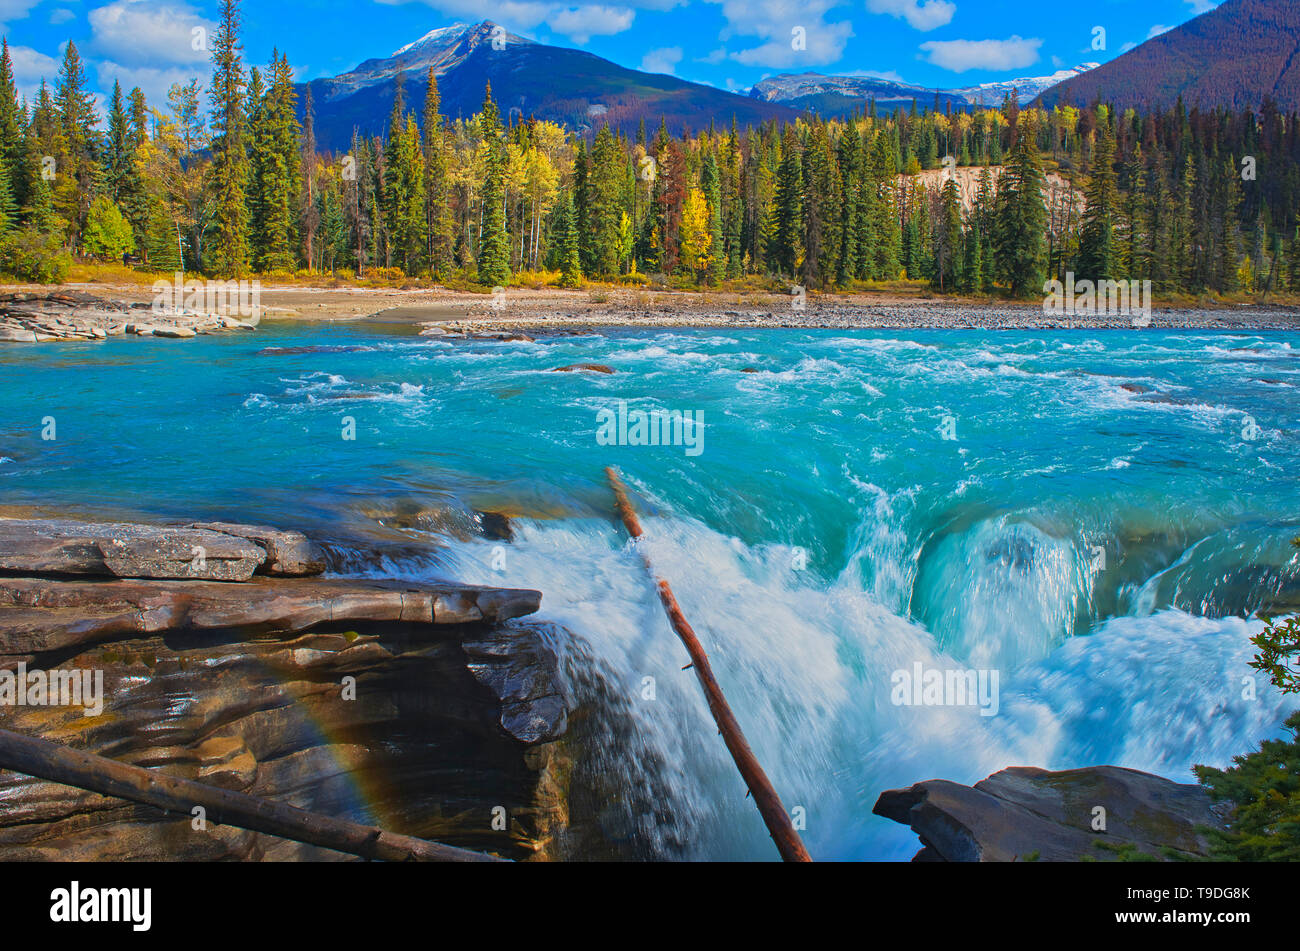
<point x="769" y="803"/>
<point x="50" y="761"/>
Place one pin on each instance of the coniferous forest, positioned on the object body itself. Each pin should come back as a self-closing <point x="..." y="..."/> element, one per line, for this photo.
<point x="227" y="180"/>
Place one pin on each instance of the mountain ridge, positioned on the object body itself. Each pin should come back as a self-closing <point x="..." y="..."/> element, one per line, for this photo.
<point x="581" y="90"/>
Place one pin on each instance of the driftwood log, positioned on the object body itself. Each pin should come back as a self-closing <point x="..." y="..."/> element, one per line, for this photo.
<point x="769" y="804"/>
<point x="50" y="761"/>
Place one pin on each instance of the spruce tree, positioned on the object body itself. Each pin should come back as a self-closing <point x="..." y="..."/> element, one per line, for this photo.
<point x="1097" y="251"/>
<point x="1021" y="216"/>
<point x="494" y="245"/>
<point x="227" y="247"/>
<point x="439" y="226"/>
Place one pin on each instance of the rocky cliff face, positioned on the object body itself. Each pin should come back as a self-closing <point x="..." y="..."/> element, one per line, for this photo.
<point x="1028" y="814"/>
<point x="426" y="710"/>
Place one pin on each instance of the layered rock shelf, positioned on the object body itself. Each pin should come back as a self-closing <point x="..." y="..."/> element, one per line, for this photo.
<point x="1028" y="814"/>
<point x="428" y="709"/>
<point x="74" y="315"/>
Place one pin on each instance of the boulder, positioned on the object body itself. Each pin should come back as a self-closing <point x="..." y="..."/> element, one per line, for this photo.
<point x="124" y="550"/>
<point x="38" y="615"/>
<point x="287" y="552"/>
<point x="590" y="367"/>
<point x="1030" y="814"/>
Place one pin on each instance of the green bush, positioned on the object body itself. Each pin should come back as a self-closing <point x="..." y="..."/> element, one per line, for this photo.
<point x="33" y="256"/>
<point x="1265" y="789"/>
<point x="108" y="233"/>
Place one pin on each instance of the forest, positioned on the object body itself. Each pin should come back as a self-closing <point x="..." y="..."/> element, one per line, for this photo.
<point x="228" y="181"/>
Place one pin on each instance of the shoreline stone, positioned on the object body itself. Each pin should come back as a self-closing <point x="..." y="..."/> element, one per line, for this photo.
<point x="1029" y="814"/>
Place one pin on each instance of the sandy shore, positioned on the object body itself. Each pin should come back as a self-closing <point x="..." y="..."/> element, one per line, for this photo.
<point x="524" y="310"/>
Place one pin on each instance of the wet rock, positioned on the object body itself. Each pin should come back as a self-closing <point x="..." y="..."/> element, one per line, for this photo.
<point x="496" y="526"/>
<point x="287" y="553"/>
<point x="1025" y="813"/>
<point x="124" y="550"/>
<point x="590" y="367"/>
<point x="38" y="615"/>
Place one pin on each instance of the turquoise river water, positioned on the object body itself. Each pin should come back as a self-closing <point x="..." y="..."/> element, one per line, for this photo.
<point x="1094" y="516"/>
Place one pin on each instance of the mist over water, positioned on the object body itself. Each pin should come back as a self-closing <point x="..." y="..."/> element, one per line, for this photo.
<point x="1110" y="514"/>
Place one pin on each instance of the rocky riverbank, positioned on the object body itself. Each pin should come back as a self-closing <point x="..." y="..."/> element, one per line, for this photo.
<point x="1100" y="813"/>
<point x="27" y="317"/>
<point x="225" y="654"/>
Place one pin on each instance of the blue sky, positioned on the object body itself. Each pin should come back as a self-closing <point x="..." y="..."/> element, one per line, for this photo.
<point x="727" y="43"/>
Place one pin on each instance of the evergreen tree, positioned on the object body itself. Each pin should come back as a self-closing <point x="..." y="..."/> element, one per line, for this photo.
<point x="785" y="248"/>
<point x="439" y="226"/>
<point x="13" y="150"/>
<point x="227" y="246"/>
<point x="78" y="164"/>
<point x="1021" y="216"/>
<point x="1098" y="255"/>
<point x="494" y="246"/>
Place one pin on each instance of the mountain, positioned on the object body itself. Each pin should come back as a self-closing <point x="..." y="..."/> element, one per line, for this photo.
<point x="840" y="95"/>
<point x="1232" y="56"/>
<point x="529" y="79"/>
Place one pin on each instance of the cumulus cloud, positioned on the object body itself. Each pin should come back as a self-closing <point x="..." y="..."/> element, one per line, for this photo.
<point x="140" y="33"/>
<point x="795" y="33"/>
<point x="61" y="15"/>
<point x="578" y="22"/>
<point x="926" y="16"/>
<point x="15" y="9"/>
<point x="1202" y="6"/>
<point x="961" y="55"/>
<point x="663" y="60"/>
<point x="1157" y="30"/>
<point x="582" y="23"/>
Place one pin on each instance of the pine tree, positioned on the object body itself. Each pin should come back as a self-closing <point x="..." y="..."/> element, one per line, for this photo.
<point x="785" y="250"/>
<point x="603" y="206"/>
<point x="78" y="165"/>
<point x="711" y="188"/>
<point x="310" y="206"/>
<point x="13" y="151"/>
<point x="1021" y="216"/>
<point x="566" y="242"/>
<point x="227" y="247"/>
<point x="494" y="245"/>
<point x="883" y="215"/>
<point x="946" y="237"/>
<point x="1098" y="255"/>
<point x="437" y="215"/>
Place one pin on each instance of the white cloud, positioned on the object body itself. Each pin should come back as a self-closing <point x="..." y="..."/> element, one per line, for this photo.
<point x="796" y="33"/>
<point x="663" y="60"/>
<point x="715" y="57"/>
<point x="139" y="33"/>
<point x="1157" y="30"/>
<point x="15" y="9"/>
<point x="926" y="16"/>
<point x="582" y="23"/>
<point x="61" y="15"/>
<point x="886" y="74"/>
<point x="1202" y="6"/>
<point x="961" y="55"/>
<point x="578" y="22"/>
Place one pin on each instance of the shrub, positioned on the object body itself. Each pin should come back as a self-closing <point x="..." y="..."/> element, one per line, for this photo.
<point x="108" y="233"/>
<point x="1264" y="786"/>
<point x="34" y="256"/>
